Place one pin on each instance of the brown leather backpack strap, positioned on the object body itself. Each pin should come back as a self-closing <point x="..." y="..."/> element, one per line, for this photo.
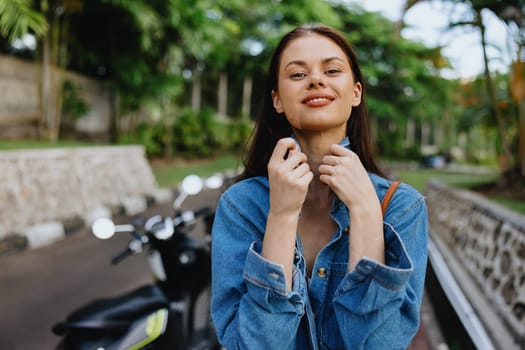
<point x="388" y="195"/>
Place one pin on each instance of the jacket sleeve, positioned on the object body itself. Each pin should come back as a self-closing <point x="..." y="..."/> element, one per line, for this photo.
<point x="250" y="306"/>
<point x="383" y="301"/>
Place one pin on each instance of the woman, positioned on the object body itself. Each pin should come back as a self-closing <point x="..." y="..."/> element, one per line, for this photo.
<point x="302" y="256"/>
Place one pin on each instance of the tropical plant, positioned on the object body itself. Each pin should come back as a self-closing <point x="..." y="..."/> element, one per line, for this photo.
<point x="512" y="13"/>
<point x="154" y="55"/>
<point x="18" y="18"/>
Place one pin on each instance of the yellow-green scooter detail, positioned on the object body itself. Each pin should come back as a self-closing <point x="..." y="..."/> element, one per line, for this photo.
<point x="146" y="330"/>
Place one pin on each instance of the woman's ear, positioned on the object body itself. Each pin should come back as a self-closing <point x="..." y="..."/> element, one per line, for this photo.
<point x="356" y="94"/>
<point x="277" y="102"/>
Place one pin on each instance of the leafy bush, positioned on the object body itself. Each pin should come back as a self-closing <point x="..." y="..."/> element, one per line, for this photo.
<point x="393" y="147"/>
<point x="232" y="134"/>
<point x="72" y="104"/>
<point x="151" y="135"/>
<point x="193" y="133"/>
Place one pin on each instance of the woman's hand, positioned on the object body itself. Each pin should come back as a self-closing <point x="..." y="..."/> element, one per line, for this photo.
<point x="289" y="176"/>
<point x="344" y="173"/>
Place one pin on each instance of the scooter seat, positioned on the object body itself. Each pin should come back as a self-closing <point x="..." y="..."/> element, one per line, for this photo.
<point x="116" y="313"/>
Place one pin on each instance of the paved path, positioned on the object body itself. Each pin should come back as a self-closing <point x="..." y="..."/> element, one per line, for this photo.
<point x="40" y="287"/>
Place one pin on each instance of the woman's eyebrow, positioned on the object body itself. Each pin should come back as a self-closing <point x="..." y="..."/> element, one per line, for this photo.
<point x="325" y="60"/>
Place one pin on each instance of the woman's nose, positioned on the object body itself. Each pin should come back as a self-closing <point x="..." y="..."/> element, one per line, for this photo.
<point x="317" y="80"/>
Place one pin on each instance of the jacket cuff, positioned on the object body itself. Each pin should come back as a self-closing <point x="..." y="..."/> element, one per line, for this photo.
<point x="266" y="281"/>
<point x="393" y="275"/>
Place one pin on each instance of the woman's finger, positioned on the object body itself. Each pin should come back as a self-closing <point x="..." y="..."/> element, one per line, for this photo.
<point x="282" y="148"/>
<point x="338" y="150"/>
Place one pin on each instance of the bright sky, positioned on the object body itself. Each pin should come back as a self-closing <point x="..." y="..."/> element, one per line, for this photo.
<point x="427" y="22"/>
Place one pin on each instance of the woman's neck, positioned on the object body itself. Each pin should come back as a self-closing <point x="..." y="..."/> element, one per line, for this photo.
<point x="316" y="147"/>
<point x="317" y="144"/>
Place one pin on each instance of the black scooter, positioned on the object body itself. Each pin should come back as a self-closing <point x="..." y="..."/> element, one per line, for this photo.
<point x="173" y="312"/>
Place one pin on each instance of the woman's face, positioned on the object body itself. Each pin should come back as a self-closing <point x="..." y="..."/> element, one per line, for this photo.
<point x="316" y="87"/>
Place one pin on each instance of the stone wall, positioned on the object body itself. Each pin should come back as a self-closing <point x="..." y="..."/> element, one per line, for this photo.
<point x="488" y="242"/>
<point x="18" y="90"/>
<point x="19" y="101"/>
<point x="43" y="186"/>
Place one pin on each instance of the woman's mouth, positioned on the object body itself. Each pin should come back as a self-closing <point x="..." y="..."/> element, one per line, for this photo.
<point x="317" y="101"/>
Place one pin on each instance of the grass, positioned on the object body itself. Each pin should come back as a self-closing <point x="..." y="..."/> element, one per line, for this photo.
<point x="10" y="145"/>
<point x="167" y="173"/>
<point x="516" y="205"/>
<point x="170" y="173"/>
<point x="418" y="178"/>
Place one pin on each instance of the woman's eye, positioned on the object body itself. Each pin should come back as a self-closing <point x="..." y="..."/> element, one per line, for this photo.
<point x="297" y="75"/>
<point x="333" y="71"/>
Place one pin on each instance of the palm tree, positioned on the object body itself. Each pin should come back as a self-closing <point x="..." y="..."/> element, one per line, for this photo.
<point x="18" y="17"/>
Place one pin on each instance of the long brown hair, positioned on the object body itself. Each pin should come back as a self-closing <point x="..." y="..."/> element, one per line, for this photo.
<point x="270" y="127"/>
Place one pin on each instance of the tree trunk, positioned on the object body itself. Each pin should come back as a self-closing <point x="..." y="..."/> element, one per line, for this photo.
<point x="50" y="97"/>
<point x="44" y="86"/>
<point x="246" y="97"/>
<point x="496" y="113"/>
<point x="411" y="133"/>
<point x="425" y="134"/>
<point x="51" y="77"/>
<point x="114" y="116"/>
<point x="517" y="92"/>
<point x="196" y="91"/>
<point x="222" y="98"/>
<point x="521" y="138"/>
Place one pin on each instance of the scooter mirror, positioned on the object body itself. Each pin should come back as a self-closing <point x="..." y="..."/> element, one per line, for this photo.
<point x="191" y="184"/>
<point x="103" y="228"/>
<point x="213" y="182"/>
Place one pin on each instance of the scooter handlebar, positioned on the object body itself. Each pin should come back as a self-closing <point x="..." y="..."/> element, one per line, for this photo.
<point x="202" y="211"/>
<point x="138" y="241"/>
<point x="135" y="246"/>
<point x="121" y="256"/>
<point x="186" y="218"/>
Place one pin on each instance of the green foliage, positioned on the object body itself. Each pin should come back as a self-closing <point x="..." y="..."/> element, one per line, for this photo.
<point x="395" y="148"/>
<point x="144" y="48"/>
<point x="73" y="105"/>
<point x="150" y="135"/>
<point x="10" y="145"/>
<point x="419" y="177"/>
<point x="193" y="133"/>
<point x="513" y="204"/>
<point x="170" y="173"/>
<point x="232" y="135"/>
<point x="18" y="17"/>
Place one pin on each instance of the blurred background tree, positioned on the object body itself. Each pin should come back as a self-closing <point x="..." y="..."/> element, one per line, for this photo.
<point x="510" y="126"/>
<point x="185" y="66"/>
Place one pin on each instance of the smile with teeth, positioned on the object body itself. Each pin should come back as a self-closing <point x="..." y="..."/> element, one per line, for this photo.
<point x="317" y="101"/>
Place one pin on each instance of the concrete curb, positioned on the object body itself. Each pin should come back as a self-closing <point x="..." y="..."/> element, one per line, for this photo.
<point x="46" y="233"/>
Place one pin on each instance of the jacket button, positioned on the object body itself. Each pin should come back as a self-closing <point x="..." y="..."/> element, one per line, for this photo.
<point x="321" y="272"/>
<point x="347" y="229"/>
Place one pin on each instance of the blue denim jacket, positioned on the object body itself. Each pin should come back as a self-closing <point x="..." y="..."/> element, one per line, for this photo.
<point x="375" y="306"/>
